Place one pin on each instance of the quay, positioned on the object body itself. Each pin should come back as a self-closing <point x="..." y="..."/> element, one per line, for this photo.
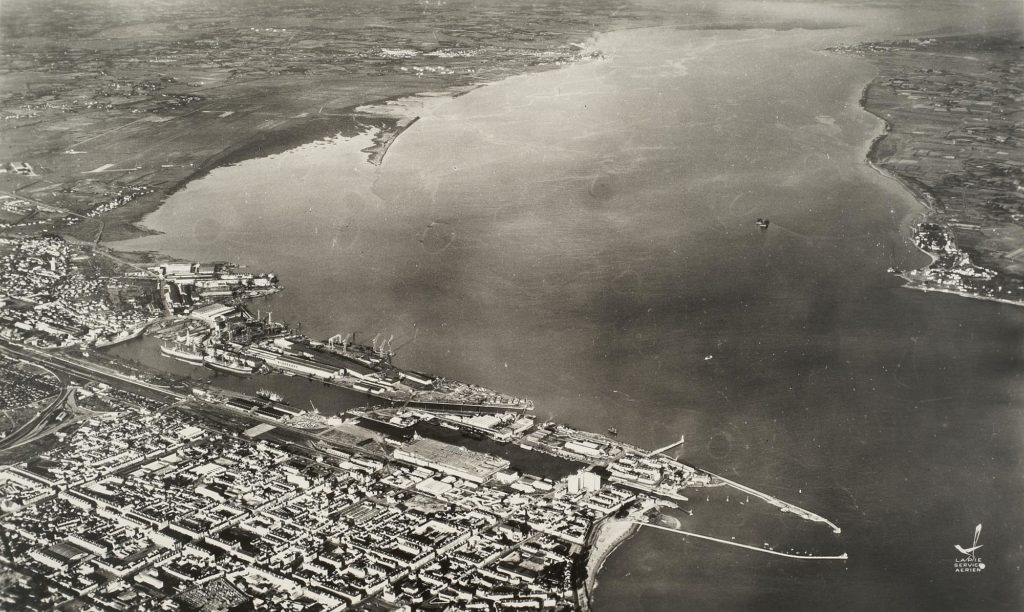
<point x="462" y="407"/>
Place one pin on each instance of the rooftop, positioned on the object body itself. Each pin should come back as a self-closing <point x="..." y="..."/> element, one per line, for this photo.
<point x="462" y="459"/>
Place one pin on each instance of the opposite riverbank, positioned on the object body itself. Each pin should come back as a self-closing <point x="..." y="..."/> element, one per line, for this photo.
<point x="150" y="113"/>
<point x="952" y="152"/>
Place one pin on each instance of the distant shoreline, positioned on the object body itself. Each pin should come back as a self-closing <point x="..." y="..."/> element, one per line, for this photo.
<point x="921" y="194"/>
<point x="279" y="139"/>
<point x="258" y="145"/>
<point x="918" y="286"/>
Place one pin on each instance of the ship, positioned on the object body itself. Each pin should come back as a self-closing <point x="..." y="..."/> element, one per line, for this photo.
<point x="124" y="336"/>
<point x="762" y="222"/>
<point x="377" y="357"/>
<point x="182" y="353"/>
<point x="230" y="365"/>
<point x="456" y="406"/>
<point x="269" y="395"/>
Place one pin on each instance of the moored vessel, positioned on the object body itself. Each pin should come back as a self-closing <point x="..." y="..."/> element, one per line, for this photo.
<point x="182" y="353"/>
<point x="230" y="365"/>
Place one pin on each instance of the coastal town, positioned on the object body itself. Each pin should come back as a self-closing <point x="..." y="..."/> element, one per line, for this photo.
<point x="953" y="138"/>
<point x="54" y="293"/>
<point x="142" y="508"/>
<point x="128" y="490"/>
<point x="171" y="440"/>
<point x="150" y="506"/>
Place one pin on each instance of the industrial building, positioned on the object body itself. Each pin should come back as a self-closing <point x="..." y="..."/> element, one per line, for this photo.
<point x="450" y="459"/>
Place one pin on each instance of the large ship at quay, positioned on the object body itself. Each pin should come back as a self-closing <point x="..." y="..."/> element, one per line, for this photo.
<point x="370" y="370"/>
<point x="231" y="363"/>
<point x="182" y="352"/>
<point x="229" y="339"/>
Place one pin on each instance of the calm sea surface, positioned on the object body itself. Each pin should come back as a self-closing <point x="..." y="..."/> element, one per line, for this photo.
<point x="585" y="237"/>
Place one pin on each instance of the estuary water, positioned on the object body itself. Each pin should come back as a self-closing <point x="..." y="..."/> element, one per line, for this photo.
<point x="585" y="237"/>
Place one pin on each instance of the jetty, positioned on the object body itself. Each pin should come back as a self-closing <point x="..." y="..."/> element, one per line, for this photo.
<point x="682" y="440"/>
<point x="778" y="503"/>
<point x="842" y="557"/>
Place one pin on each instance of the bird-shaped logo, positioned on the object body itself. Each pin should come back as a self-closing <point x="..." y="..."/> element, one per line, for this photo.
<point x="975" y="546"/>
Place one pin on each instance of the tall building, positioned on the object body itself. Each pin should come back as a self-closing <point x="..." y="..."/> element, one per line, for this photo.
<point x="583" y="481"/>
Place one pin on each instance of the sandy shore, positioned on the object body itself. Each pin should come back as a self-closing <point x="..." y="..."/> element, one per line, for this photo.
<point x="608" y="535"/>
<point x="917" y="286"/>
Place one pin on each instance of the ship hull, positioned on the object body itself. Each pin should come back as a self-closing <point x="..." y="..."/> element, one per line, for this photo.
<point x="458" y="408"/>
<point x="183" y="356"/>
<point x="228" y="368"/>
<point x="120" y="338"/>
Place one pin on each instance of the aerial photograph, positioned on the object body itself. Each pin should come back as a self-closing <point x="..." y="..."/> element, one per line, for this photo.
<point x="555" y="305"/>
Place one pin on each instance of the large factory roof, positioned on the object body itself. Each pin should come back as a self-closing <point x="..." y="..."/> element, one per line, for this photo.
<point x="452" y="459"/>
<point x="213" y="312"/>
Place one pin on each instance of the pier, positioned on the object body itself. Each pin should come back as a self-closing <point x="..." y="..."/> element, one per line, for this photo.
<point x="842" y="557"/>
<point x="682" y="439"/>
<point x="784" y="506"/>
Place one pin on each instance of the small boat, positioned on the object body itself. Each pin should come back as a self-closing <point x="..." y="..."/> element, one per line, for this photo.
<point x="270" y="396"/>
<point x="762" y="222"/>
<point x="612" y="431"/>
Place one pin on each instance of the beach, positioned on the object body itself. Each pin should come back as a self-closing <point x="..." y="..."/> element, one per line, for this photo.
<point x="608" y="535"/>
